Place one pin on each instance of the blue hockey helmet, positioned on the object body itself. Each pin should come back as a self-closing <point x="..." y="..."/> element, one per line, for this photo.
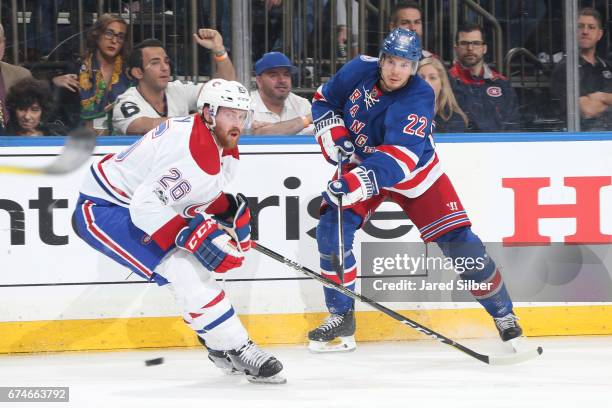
<point x="402" y="43"/>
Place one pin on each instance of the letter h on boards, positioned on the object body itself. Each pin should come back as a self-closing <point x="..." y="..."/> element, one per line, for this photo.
<point x="586" y="211"/>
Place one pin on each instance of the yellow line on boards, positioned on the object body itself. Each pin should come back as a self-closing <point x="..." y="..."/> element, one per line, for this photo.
<point x="157" y="332"/>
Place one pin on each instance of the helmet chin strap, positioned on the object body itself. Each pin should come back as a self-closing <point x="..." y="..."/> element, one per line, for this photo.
<point x="213" y="122"/>
<point x="211" y="126"/>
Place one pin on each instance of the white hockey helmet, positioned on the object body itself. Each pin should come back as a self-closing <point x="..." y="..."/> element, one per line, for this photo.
<point x="219" y="92"/>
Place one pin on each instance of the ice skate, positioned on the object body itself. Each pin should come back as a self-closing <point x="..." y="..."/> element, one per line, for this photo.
<point x="510" y="331"/>
<point x="336" y="327"/>
<point x="258" y="365"/>
<point x="222" y="360"/>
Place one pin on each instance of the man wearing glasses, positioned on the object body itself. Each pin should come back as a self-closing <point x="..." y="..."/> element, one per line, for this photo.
<point x="155" y="99"/>
<point x="485" y="95"/>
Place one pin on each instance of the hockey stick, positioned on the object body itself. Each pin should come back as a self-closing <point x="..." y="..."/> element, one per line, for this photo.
<point x="77" y="150"/>
<point x="488" y="359"/>
<point x="338" y="261"/>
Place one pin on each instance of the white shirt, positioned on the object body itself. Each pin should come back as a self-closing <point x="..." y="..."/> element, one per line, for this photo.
<point x="181" y="99"/>
<point x="295" y="107"/>
<point x="173" y="171"/>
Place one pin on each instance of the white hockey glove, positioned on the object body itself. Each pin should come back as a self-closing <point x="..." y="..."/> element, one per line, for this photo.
<point x="357" y="185"/>
<point x="332" y="135"/>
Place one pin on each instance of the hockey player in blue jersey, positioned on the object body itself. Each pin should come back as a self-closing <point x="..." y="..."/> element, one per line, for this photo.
<point x="379" y="114"/>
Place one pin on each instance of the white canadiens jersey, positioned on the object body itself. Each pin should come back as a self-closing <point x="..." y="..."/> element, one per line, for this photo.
<point x="171" y="173"/>
<point x="181" y="99"/>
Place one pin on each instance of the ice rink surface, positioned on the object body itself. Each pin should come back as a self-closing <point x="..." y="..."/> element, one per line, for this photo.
<point x="572" y="372"/>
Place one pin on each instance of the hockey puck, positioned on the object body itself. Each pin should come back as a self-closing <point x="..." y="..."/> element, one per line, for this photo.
<point x="154" y="361"/>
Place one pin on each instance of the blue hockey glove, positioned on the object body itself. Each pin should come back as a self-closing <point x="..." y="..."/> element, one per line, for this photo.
<point x="215" y="249"/>
<point x="357" y="185"/>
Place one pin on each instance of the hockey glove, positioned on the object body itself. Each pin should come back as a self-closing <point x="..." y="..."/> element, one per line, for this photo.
<point x="240" y="226"/>
<point x="357" y="185"/>
<point x="215" y="249"/>
<point x="332" y="136"/>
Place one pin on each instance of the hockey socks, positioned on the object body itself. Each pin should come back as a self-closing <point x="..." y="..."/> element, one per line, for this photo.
<point x="463" y="243"/>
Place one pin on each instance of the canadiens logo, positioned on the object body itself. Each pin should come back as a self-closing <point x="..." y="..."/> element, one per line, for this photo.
<point x="193" y="210"/>
<point x="146" y="239"/>
<point x="494" y="91"/>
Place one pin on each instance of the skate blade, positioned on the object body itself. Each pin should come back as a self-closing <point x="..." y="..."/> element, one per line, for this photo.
<point x="346" y="344"/>
<point x="274" y="379"/>
<point x="231" y="371"/>
<point x="518" y="344"/>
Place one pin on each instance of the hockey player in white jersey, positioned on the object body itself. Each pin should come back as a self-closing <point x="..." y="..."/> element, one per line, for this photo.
<point x="159" y="209"/>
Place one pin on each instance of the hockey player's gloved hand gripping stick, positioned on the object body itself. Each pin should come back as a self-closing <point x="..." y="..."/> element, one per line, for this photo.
<point x="338" y="261"/>
<point x="240" y="226"/>
<point x="332" y="136"/>
<point x="488" y="359"/>
<point x="357" y="185"/>
<point x="214" y="248"/>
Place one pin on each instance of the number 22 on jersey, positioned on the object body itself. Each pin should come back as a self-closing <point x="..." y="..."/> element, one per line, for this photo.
<point x="416" y="125"/>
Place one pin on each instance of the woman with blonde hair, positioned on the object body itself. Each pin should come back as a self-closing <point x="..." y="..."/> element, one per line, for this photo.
<point x="449" y="116"/>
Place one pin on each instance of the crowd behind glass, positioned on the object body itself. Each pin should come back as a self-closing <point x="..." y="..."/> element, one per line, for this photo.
<point x="121" y="87"/>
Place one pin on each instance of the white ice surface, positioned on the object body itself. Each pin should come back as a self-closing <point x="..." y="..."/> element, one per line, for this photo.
<point x="572" y="372"/>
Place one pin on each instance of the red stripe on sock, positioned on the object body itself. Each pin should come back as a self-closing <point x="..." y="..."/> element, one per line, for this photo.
<point x="494" y="283"/>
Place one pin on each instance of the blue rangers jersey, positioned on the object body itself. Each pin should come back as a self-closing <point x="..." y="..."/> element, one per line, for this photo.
<point x="391" y="131"/>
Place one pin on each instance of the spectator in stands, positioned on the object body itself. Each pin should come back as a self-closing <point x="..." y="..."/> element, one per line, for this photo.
<point x="346" y="39"/>
<point x="273" y="9"/>
<point x="102" y="77"/>
<point x="9" y="76"/>
<point x="595" y="76"/>
<point x="485" y="95"/>
<point x="277" y="110"/>
<point x="267" y="24"/>
<point x="155" y="99"/>
<point x="449" y="116"/>
<point x="30" y="107"/>
<point x="409" y="15"/>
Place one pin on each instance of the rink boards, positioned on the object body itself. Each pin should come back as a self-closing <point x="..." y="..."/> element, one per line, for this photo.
<point x="58" y="294"/>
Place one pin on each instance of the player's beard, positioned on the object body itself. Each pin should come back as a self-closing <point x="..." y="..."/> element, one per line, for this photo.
<point x="227" y="138"/>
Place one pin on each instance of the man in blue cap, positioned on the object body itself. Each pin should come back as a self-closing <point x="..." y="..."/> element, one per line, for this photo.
<point x="277" y="110"/>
